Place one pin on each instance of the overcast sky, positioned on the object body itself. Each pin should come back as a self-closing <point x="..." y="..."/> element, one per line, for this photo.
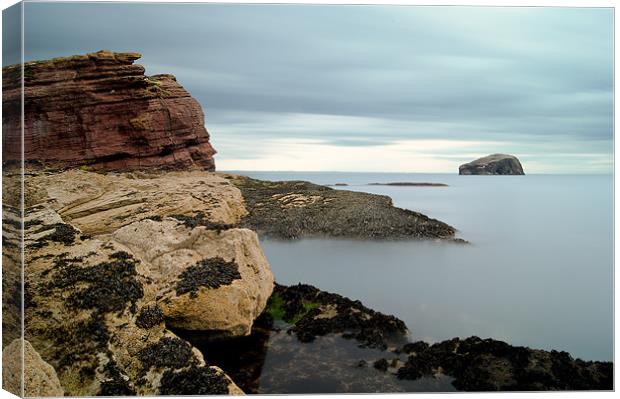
<point x="368" y="88"/>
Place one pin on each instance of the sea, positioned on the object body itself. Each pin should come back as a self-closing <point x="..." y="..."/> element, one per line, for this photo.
<point x="537" y="272"/>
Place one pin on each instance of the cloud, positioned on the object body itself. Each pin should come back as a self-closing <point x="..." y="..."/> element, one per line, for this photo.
<point x="367" y="76"/>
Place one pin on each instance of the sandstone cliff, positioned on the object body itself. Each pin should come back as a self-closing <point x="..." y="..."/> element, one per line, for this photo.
<point x="113" y="260"/>
<point x="494" y="164"/>
<point x="100" y="110"/>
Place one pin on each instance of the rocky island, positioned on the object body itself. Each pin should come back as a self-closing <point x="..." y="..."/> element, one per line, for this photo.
<point x="494" y="164"/>
<point x="134" y="246"/>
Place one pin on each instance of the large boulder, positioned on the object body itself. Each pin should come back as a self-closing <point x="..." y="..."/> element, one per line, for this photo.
<point x="495" y="164"/>
<point x="114" y="260"/>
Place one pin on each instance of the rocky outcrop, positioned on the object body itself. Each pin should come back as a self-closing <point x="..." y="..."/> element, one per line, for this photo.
<point x="495" y="164"/>
<point x="378" y="357"/>
<point x="491" y="365"/>
<point x="114" y="260"/>
<point x="40" y="378"/>
<point x="297" y="209"/>
<point x="100" y="111"/>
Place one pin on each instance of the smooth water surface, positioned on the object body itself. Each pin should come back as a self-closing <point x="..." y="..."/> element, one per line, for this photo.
<point x="538" y="271"/>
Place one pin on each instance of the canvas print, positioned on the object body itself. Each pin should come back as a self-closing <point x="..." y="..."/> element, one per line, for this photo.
<point x="207" y="198"/>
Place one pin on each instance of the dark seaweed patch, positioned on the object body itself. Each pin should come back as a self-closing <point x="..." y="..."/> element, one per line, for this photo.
<point x="381" y="364"/>
<point x="199" y="219"/>
<point x="193" y="381"/>
<point x="352" y="319"/>
<point x="79" y="341"/>
<point x="490" y="365"/>
<point x="210" y="273"/>
<point x="150" y="316"/>
<point x="115" y="385"/>
<point x="63" y="233"/>
<point x="167" y="352"/>
<point x="111" y="286"/>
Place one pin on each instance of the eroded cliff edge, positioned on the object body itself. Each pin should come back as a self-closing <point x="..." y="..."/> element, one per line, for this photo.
<point x="100" y="110"/>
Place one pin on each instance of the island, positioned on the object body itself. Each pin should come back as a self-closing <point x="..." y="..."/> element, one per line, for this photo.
<point x="494" y="164"/>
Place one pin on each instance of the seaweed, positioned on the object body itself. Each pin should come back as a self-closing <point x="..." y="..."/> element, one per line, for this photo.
<point x="167" y="352"/>
<point x="302" y="304"/>
<point x="115" y="385"/>
<point x="199" y="219"/>
<point x="150" y="316"/>
<point x="194" y="381"/>
<point x="63" y="233"/>
<point x="112" y="284"/>
<point x="210" y="273"/>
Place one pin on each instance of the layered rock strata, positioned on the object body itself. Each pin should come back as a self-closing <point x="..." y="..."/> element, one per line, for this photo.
<point x="112" y="261"/>
<point x="101" y="111"/>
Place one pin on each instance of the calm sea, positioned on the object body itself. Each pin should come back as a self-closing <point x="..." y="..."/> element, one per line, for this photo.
<point x="538" y="271"/>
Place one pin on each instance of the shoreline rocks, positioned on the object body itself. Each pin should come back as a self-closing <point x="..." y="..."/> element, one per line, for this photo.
<point x="298" y="209"/>
<point x="465" y="364"/>
<point x="99" y="111"/>
<point x="494" y="164"/>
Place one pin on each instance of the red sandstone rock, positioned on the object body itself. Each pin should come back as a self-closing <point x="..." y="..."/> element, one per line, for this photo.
<point x="100" y="110"/>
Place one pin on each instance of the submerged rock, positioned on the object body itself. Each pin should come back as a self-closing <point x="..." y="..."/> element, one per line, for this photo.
<point x="297" y="209"/>
<point x="495" y="164"/>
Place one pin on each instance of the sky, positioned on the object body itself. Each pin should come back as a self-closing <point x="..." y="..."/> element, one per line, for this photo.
<point x="368" y="88"/>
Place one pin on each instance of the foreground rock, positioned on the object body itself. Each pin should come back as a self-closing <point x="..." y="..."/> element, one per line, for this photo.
<point x="113" y="261"/>
<point x="100" y="111"/>
<point x="296" y="209"/>
<point x="313" y="313"/>
<point x="320" y="320"/>
<point x="495" y="164"/>
<point x="491" y="365"/>
<point x="39" y="377"/>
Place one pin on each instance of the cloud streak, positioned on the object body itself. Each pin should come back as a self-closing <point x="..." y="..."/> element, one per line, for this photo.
<point x="537" y="80"/>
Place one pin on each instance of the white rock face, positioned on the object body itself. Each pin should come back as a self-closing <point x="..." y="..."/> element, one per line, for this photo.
<point x="40" y="378"/>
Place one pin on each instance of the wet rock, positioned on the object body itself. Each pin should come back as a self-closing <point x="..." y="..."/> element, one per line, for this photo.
<point x="495" y="164"/>
<point x="167" y="352"/>
<point x="381" y="364"/>
<point x="491" y="365"/>
<point x="296" y="209"/>
<point x="314" y="313"/>
<point x="195" y="381"/>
